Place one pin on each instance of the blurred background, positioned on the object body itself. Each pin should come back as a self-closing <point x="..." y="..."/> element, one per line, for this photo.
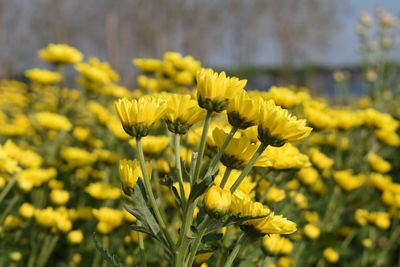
<point x="267" y="41"/>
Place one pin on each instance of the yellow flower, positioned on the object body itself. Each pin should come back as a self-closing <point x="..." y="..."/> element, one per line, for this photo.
<point x="77" y="157"/>
<point x="27" y="210"/>
<point x="215" y="90"/>
<point x="361" y="217"/>
<point x="24" y="157"/>
<point x="311" y="231"/>
<point x="97" y="72"/>
<point x="53" y="121"/>
<point x="60" y="54"/>
<point x="12" y="222"/>
<point x="331" y="255"/>
<point x="182" y="113"/>
<point x="271" y="224"/>
<point x="152" y="144"/>
<point x="347" y="180"/>
<point x="139" y="115"/>
<point x="308" y="175"/>
<point x="286" y="157"/>
<point x="56" y="219"/>
<point x="239" y="151"/>
<point x="276" y="126"/>
<point x="378" y="164"/>
<point x="108" y="218"/>
<point x="246" y="186"/>
<point x="130" y="171"/>
<point x="275" y="194"/>
<point x="380" y="219"/>
<point x="103" y="191"/>
<point x="276" y="244"/>
<point x="43" y="76"/>
<point x="285" y="97"/>
<point x="388" y="136"/>
<point x="7" y="164"/>
<point x="59" y="196"/>
<point x="34" y="177"/>
<point x="243" y="111"/>
<point x="75" y="237"/>
<point x="147" y="64"/>
<point x="320" y="159"/>
<point x="217" y="201"/>
<point x="16" y="256"/>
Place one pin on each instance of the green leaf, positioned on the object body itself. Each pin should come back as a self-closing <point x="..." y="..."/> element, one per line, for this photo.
<point x="175" y="193"/>
<point x="145" y="230"/>
<point x="211" y="237"/>
<point x="110" y="259"/>
<point x="142" y="211"/>
<point x="199" y="188"/>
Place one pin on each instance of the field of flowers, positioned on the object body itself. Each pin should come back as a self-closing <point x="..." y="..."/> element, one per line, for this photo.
<point x="192" y="169"/>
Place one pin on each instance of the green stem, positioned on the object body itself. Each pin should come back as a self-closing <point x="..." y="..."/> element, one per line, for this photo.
<point x="150" y="194"/>
<point x="202" y="145"/>
<point x="143" y="262"/>
<point x="177" y="141"/>
<point x="184" y="241"/>
<point x="218" y="156"/>
<point x="49" y="243"/>
<point x="248" y="167"/>
<point x="201" y="231"/>
<point x="8" y="187"/>
<point x="235" y="251"/>
<point x="225" y="178"/>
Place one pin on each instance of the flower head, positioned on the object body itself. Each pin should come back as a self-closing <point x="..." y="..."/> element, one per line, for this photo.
<point x="239" y="151"/>
<point x="129" y="172"/>
<point x="138" y="115"/>
<point x="243" y="111"/>
<point x="215" y="90"/>
<point x="271" y="224"/>
<point x="43" y="76"/>
<point x="60" y="54"/>
<point x="276" y="126"/>
<point x="217" y="201"/>
<point x="182" y="113"/>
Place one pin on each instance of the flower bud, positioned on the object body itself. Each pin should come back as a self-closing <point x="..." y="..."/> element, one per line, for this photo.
<point x="75" y="237"/>
<point x="217" y="201"/>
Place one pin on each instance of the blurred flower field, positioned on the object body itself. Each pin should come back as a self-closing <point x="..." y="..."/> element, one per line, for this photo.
<point x="192" y="168"/>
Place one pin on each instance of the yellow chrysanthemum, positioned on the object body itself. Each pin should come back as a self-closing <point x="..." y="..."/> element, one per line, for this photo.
<point x="60" y="54"/>
<point x="243" y="111"/>
<point x="276" y="244"/>
<point x="246" y="186"/>
<point x="138" y="115"/>
<point x="217" y="201"/>
<point x="378" y="163"/>
<point x="285" y="97"/>
<point x="182" y="113"/>
<point x="43" y="76"/>
<point x="130" y="171"/>
<point x="147" y="64"/>
<point x="96" y="71"/>
<point x="53" y="121"/>
<point x="103" y="191"/>
<point x="152" y="144"/>
<point x="347" y="180"/>
<point x="286" y="157"/>
<point x="239" y="151"/>
<point x="276" y="126"/>
<point x="271" y="224"/>
<point x="215" y="90"/>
